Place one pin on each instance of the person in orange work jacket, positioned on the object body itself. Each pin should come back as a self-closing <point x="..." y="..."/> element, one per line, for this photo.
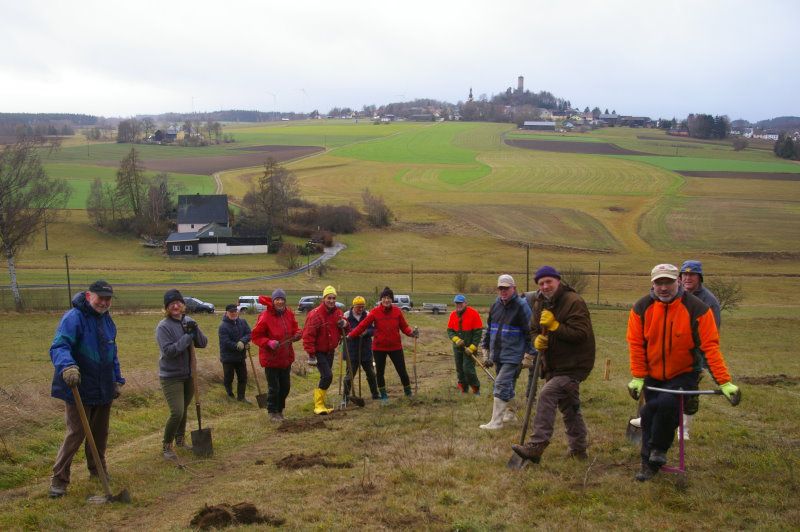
<point x="465" y="329"/>
<point x="668" y="330"/>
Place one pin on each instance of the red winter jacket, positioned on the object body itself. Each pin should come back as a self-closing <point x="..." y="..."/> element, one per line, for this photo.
<point x="273" y="326"/>
<point x="388" y="324"/>
<point x="321" y="332"/>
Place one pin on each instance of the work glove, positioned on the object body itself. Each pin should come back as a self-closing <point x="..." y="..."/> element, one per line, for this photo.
<point x="635" y="387"/>
<point x="273" y="344"/>
<point x="528" y="361"/>
<point x="71" y="376"/>
<point x="341" y="323"/>
<point x="415" y="333"/>
<point x="312" y="360"/>
<point x="117" y="390"/>
<point x="540" y="343"/>
<point x="240" y="345"/>
<point x="189" y="326"/>
<point x="486" y="360"/>
<point x="731" y="392"/>
<point x="548" y="321"/>
<point x="458" y="341"/>
<point x="297" y="336"/>
<point x="473" y="349"/>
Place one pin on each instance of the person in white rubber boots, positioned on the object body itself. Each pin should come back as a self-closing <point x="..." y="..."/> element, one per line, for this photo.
<point x="507" y="340"/>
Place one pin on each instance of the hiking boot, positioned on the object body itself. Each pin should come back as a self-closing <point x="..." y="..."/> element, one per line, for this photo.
<point x="376" y="395"/>
<point x="531" y="451"/>
<point x="231" y="397"/>
<point x="180" y="443"/>
<point x="384" y="396"/>
<point x="461" y="387"/>
<point x="245" y="401"/>
<point x="658" y="458"/>
<point x="169" y="454"/>
<point x="56" y="490"/>
<point x="407" y="391"/>
<point x="646" y="473"/>
<point x="275" y="417"/>
<point x="475" y="390"/>
<point x="577" y="455"/>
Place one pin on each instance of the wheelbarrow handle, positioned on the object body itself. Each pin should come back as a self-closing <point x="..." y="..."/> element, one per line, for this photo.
<point x="685" y="392"/>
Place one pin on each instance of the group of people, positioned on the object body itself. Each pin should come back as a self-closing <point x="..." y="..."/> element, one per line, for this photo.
<point x="672" y="334"/>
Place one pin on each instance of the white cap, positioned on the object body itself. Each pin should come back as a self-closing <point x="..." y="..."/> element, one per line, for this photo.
<point x="664" y="270"/>
<point x="505" y="280"/>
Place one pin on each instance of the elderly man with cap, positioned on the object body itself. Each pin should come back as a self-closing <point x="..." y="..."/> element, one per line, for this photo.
<point x="507" y="340"/>
<point x="667" y="329"/>
<point x="465" y="329"/>
<point x="321" y="335"/>
<point x="234" y="335"/>
<point x="565" y="339"/>
<point x="84" y="356"/>
<point x="359" y="349"/>
<point x="274" y="333"/>
<point x="177" y="335"/>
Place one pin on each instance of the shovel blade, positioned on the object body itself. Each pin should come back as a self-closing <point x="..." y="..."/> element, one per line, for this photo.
<point x="357" y="401"/>
<point x="633" y="434"/>
<point x="516" y="462"/>
<point x="201" y="443"/>
<point x="261" y="399"/>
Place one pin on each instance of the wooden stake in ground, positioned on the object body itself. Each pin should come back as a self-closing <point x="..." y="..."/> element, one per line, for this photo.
<point x="607" y="370"/>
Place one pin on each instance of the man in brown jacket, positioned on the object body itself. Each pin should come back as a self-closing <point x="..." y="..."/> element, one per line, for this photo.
<point x="566" y="340"/>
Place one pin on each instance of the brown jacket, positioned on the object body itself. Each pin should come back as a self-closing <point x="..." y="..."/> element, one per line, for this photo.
<point x="571" y="347"/>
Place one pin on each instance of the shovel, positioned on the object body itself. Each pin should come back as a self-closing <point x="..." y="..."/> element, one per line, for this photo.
<point x="201" y="438"/>
<point x="261" y="398"/>
<point x="516" y="462"/>
<point x="357" y="400"/>
<point x="479" y="363"/>
<point x="632" y="432"/>
<point x="415" y="365"/>
<point x="122" y="496"/>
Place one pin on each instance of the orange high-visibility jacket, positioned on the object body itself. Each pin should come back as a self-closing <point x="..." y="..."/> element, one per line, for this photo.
<point x="666" y="339"/>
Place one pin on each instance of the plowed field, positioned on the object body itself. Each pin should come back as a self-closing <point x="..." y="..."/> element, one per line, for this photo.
<point x="560" y="146"/>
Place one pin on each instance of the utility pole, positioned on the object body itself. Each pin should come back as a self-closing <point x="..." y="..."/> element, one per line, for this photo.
<point x="598" y="282"/>
<point x="412" y="277"/>
<point x="527" y="267"/>
<point x="69" y="284"/>
<point x="46" y="247"/>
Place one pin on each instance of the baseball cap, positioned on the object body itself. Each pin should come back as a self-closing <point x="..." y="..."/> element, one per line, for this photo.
<point x="505" y="280"/>
<point x="664" y="271"/>
<point x="231" y="307"/>
<point x="459" y="298"/>
<point x="101" y="288"/>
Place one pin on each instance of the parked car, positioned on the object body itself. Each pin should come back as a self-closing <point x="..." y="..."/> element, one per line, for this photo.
<point x="307" y="303"/>
<point x="402" y="301"/>
<point x="198" y="305"/>
<point x="436" y="308"/>
<point x="250" y="304"/>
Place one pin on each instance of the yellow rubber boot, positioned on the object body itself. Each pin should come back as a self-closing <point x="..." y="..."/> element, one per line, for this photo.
<point x="319" y="402"/>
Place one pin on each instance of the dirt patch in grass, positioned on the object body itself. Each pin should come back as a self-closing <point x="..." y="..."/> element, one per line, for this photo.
<point x="300" y="461"/>
<point x="782" y="176"/>
<point x="614" y="208"/>
<point x="560" y="146"/>
<point x="769" y="380"/>
<point x="764" y="255"/>
<point x="301" y="425"/>
<point x="254" y="156"/>
<point x="224" y="515"/>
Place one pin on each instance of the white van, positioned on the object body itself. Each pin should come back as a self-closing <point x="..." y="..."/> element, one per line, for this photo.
<point x="250" y="304"/>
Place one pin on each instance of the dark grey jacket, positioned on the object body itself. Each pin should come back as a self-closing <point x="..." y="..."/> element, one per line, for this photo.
<point x="174" y="342"/>
<point x="230" y="333"/>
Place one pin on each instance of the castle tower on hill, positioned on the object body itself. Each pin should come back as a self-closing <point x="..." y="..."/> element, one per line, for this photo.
<point x="520" y="83"/>
<point x="470" y="98"/>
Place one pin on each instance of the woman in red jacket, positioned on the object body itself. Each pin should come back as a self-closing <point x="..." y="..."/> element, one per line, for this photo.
<point x="274" y="333"/>
<point x="389" y="321"/>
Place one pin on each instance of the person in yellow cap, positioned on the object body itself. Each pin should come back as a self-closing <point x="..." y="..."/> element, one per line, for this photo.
<point x="359" y="349"/>
<point x="321" y="335"/>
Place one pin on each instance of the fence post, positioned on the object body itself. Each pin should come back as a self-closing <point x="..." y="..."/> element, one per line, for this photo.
<point x="598" y="282"/>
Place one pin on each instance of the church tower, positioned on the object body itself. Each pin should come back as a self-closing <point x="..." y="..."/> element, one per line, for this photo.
<point x="470" y="98"/>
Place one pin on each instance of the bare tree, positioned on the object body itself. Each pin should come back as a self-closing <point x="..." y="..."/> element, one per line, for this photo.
<point x="28" y="198"/>
<point x="728" y="292"/>
<point x="132" y="183"/>
<point x="739" y="143"/>
<point x="378" y="214"/>
<point x="460" y="281"/>
<point x="275" y="192"/>
<point x="575" y="278"/>
<point x="288" y="256"/>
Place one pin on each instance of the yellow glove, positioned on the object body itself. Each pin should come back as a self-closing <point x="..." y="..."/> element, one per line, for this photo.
<point x="473" y="349"/>
<point x="635" y="387"/>
<point x="540" y="343"/>
<point x="458" y="341"/>
<point x="731" y="392"/>
<point x="548" y="321"/>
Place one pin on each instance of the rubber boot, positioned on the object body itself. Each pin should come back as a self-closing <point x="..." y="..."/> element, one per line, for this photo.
<point x="461" y="387"/>
<point x="498" y="408"/>
<point x="687" y="421"/>
<point x="384" y="396"/>
<point x="407" y="391"/>
<point x="319" y="402"/>
<point x="508" y="415"/>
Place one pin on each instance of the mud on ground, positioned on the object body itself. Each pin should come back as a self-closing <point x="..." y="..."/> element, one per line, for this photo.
<point x="223" y="515"/>
<point x="786" y="176"/>
<point x="300" y="461"/>
<point x="562" y="146"/>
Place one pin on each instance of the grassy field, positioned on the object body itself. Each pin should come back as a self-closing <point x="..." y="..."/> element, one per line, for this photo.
<point x="419" y="463"/>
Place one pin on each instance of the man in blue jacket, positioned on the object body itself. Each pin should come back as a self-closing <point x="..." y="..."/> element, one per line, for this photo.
<point x="84" y="355"/>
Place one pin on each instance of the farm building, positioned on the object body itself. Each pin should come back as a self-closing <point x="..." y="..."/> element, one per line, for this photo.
<point x="203" y="230"/>
<point x="539" y="125"/>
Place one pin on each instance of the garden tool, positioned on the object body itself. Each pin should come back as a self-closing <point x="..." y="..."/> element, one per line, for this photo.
<point x="516" y="462"/>
<point x="357" y="400"/>
<point x="478" y="363"/>
<point x="122" y="496"/>
<point x="632" y="432"/>
<point x="415" y="365"/>
<point x="201" y="438"/>
<point x="261" y="398"/>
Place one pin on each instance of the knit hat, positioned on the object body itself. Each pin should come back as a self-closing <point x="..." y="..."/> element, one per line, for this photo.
<point x="664" y="271"/>
<point x="278" y="294"/>
<point x="693" y="266"/>
<point x="329" y="290"/>
<point x="172" y="295"/>
<point x="505" y="280"/>
<point x="358" y="300"/>
<point x="387" y="292"/>
<point x="459" y="298"/>
<point x="546" y="271"/>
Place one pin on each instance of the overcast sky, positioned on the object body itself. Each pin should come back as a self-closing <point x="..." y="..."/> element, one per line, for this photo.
<point x="643" y="57"/>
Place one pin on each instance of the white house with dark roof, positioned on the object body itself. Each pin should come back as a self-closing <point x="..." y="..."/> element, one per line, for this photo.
<point x="197" y="211"/>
